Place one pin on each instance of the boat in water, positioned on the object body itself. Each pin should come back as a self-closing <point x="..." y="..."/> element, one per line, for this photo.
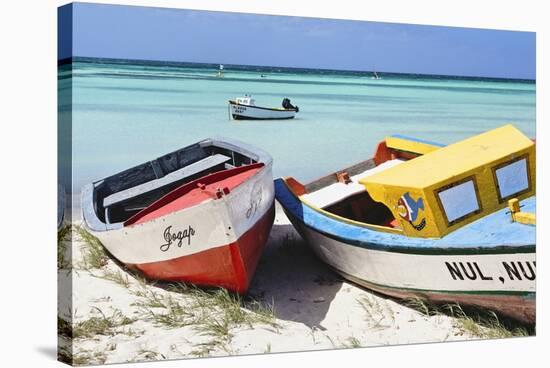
<point x="244" y="108"/>
<point x="201" y="214"/>
<point x="375" y="74"/>
<point x="220" y="73"/>
<point x="446" y="224"/>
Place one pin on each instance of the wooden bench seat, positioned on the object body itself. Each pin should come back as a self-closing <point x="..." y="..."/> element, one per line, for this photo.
<point x="190" y="170"/>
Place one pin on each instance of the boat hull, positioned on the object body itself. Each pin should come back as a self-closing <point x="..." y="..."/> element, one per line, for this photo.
<point x="217" y="242"/>
<point x="230" y="266"/>
<point x="521" y="307"/>
<point x="244" y="112"/>
<point x="428" y="276"/>
<point x="501" y="280"/>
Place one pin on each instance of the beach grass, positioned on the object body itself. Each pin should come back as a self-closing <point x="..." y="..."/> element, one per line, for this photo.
<point x="209" y="312"/>
<point x="212" y="309"/>
<point x="65" y="334"/>
<point x="64" y="328"/>
<point x="230" y="311"/>
<point x="165" y="310"/>
<point x="477" y="322"/>
<point x="222" y="312"/>
<point x="352" y="342"/>
<point x="486" y="324"/>
<point x="63" y="262"/>
<point x="63" y="232"/>
<point x="87" y="357"/>
<point x="212" y="313"/>
<point x="64" y="355"/>
<point x="215" y="316"/>
<point x="423" y="307"/>
<point x="116" y="276"/>
<point x="130" y="332"/>
<point x="376" y="312"/>
<point x="101" y="325"/>
<point x="94" y="255"/>
<point x="144" y="354"/>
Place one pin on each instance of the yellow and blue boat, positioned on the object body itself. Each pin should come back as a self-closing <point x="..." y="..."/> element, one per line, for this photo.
<point x="449" y="224"/>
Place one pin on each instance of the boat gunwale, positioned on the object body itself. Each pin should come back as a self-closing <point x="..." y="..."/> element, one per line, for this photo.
<point x="406" y="249"/>
<point x="319" y="183"/>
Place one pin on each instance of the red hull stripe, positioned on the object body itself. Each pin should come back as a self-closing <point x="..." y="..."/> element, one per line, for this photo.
<point x="515" y="306"/>
<point x="230" y="266"/>
<point x="190" y="194"/>
<point x="249" y="250"/>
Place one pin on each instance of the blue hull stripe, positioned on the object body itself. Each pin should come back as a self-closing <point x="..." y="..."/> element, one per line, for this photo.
<point x="493" y="234"/>
<point x="417" y="140"/>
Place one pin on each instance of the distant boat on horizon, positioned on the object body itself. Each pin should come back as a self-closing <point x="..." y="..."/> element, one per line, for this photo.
<point x="220" y="72"/>
<point x="121" y="61"/>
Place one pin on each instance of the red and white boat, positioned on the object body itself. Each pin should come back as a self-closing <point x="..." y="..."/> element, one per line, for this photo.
<point x="201" y="214"/>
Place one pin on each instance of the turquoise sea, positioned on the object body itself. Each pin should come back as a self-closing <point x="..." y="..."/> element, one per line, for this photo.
<point x="125" y="112"/>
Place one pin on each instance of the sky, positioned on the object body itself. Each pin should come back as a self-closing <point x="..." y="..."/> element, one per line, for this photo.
<point x="148" y="33"/>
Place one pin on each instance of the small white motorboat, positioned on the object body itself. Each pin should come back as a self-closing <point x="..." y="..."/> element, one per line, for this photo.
<point x="244" y="108"/>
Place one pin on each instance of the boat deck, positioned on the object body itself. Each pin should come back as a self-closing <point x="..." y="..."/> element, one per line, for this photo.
<point x="336" y="192"/>
<point x="196" y="192"/>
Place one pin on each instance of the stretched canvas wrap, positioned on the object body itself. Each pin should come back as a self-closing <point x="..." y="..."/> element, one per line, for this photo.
<point x="237" y="183"/>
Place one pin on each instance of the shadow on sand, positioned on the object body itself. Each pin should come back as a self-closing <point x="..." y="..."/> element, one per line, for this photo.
<point x="300" y="286"/>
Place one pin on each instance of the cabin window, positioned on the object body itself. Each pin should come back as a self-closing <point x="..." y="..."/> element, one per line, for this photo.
<point x="512" y="178"/>
<point x="459" y="200"/>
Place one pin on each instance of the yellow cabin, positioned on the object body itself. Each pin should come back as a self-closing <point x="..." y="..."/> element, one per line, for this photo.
<point x="449" y="187"/>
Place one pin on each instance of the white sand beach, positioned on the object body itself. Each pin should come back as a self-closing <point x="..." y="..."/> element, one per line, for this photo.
<point x="119" y="318"/>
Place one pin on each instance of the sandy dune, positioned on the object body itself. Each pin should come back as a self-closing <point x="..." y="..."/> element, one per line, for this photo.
<point x="313" y="308"/>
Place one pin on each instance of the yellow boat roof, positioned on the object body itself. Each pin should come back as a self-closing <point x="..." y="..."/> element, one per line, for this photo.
<point x="445" y="163"/>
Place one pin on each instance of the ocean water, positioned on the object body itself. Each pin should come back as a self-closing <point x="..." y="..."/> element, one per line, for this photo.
<point x="125" y="113"/>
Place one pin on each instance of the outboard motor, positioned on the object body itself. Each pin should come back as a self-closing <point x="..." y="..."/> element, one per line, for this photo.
<point x="287" y="105"/>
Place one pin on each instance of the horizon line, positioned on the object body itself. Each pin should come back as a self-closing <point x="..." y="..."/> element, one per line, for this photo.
<point x="69" y="60"/>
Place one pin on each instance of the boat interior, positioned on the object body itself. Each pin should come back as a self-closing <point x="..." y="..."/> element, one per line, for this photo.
<point x="120" y="196"/>
<point x="343" y="195"/>
<point x="469" y="179"/>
